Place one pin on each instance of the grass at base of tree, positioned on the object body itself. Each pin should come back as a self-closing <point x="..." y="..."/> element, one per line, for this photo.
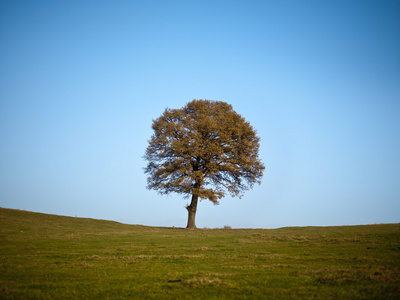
<point x="53" y="257"/>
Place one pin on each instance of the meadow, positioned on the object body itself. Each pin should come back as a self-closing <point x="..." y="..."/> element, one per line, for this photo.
<point x="54" y="257"/>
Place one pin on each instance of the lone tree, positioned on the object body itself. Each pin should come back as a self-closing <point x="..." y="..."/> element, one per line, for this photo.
<point x="202" y="150"/>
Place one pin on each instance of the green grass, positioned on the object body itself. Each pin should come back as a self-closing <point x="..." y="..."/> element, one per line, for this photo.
<point x="54" y="257"/>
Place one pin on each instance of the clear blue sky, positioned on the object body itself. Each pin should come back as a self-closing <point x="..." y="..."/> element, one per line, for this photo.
<point x="81" y="81"/>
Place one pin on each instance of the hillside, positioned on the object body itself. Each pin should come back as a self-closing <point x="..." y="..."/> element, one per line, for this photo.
<point x="56" y="257"/>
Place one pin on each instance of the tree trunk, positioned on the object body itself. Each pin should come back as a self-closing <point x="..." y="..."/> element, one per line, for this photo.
<point x="192" y="212"/>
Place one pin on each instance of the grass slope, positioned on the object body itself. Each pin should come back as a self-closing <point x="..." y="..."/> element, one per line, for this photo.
<point x="54" y="257"/>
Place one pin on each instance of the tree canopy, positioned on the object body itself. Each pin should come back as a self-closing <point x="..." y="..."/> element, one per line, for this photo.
<point x="203" y="150"/>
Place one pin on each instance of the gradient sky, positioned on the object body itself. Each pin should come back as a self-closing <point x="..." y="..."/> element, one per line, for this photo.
<point x="81" y="82"/>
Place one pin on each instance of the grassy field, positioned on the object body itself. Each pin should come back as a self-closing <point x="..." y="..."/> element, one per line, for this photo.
<point x="54" y="257"/>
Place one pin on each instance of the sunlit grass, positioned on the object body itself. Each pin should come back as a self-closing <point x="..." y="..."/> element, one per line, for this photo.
<point x="53" y="257"/>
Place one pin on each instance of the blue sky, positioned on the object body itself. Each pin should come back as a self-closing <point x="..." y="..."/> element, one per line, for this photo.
<point x="81" y="82"/>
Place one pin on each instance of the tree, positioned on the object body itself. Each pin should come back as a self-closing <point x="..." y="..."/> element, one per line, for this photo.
<point x="202" y="150"/>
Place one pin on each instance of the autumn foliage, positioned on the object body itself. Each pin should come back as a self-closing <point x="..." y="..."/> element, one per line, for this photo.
<point x="203" y="150"/>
